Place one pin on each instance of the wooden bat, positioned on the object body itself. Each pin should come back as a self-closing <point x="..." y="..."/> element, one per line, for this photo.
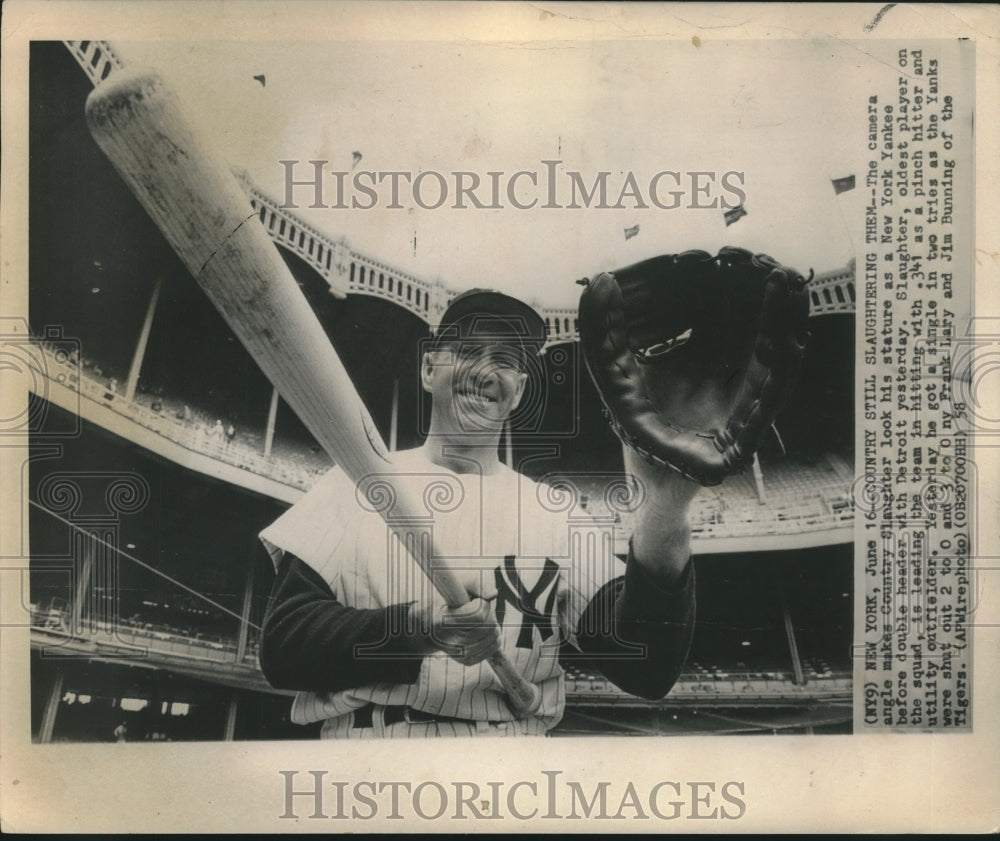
<point x="195" y="200"/>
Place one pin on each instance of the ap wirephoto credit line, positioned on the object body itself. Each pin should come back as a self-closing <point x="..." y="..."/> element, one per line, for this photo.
<point x="442" y="380"/>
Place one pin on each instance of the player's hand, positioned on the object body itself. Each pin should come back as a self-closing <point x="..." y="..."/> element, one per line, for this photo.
<point x="467" y="634"/>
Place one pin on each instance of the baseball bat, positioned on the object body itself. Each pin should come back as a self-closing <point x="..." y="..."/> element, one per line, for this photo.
<point x="194" y="199"/>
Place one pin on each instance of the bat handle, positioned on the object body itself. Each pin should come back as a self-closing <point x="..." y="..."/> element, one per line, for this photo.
<point x="523" y="696"/>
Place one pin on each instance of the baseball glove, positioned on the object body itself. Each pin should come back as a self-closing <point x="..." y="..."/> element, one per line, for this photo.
<point x="694" y="355"/>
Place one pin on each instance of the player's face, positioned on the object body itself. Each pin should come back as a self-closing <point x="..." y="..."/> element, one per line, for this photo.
<point x="475" y="386"/>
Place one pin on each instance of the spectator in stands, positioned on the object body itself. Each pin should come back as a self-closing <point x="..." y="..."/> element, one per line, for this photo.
<point x="230" y="433"/>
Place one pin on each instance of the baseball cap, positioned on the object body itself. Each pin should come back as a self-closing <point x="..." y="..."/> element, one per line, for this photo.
<point x="490" y="317"/>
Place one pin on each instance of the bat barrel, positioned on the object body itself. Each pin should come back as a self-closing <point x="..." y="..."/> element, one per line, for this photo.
<point x="202" y="211"/>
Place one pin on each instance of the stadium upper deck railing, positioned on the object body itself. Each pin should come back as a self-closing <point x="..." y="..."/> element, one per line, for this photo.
<point x="350" y="272"/>
<point x="194" y="435"/>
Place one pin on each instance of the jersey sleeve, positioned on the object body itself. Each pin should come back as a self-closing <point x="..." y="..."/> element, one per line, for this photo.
<point x="310" y="641"/>
<point x="313" y="527"/>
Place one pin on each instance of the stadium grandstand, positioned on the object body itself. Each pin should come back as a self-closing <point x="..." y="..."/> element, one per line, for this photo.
<point x="159" y="451"/>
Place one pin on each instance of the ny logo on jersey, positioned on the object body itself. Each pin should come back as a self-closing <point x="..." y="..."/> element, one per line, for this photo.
<point x="510" y="588"/>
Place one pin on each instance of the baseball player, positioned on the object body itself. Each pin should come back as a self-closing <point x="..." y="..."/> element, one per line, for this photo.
<point x="355" y="626"/>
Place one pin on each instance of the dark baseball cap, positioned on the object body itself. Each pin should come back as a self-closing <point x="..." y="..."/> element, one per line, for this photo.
<point x="490" y="317"/>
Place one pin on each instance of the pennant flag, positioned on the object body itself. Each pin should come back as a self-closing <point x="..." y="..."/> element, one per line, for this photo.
<point x="842" y="185"/>
<point x="261" y="79"/>
<point x="734" y="215"/>
<point x="631" y="232"/>
<point x="356" y="155"/>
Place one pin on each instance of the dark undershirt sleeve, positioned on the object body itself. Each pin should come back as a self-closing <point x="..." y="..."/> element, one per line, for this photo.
<point x="312" y="642"/>
<point x="652" y="633"/>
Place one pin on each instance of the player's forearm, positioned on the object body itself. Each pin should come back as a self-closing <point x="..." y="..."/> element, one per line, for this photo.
<point x="661" y="541"/>
<point x="312" y="642"/>
<point x="653" y="626"/>
<point x="664" y="550"/>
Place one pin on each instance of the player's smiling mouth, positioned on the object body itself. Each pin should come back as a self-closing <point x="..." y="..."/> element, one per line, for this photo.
<point x="478" y="396"/>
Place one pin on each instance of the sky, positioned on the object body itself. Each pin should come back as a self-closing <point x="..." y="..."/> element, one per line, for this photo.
<point x="789" y="115"/>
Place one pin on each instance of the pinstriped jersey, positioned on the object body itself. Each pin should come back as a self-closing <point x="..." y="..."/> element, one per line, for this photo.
<point x="536" y="557"/>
